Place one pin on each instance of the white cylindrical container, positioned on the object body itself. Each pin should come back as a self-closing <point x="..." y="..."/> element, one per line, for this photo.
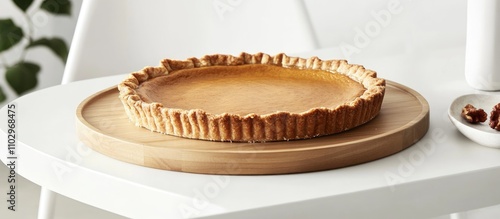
<point x="482" y="52"/>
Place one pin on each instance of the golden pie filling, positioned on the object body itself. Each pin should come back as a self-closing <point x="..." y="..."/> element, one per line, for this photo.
<point x="250" y="89"/>
<point x="252" y="98"/>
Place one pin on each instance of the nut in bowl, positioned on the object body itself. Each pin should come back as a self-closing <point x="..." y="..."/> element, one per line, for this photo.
<point x="479" y="132"/>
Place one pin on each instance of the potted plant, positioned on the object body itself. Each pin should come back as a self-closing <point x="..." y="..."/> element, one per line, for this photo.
<point x="22" y="75"/>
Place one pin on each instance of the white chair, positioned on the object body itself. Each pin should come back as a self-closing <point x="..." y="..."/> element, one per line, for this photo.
<point x="121" y="36"/>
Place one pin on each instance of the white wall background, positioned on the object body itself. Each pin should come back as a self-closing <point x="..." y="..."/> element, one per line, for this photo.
<point x="414" y="24"/>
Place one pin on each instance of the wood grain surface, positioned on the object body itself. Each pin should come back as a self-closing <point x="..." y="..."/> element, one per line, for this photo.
<point x="103" y="125"/>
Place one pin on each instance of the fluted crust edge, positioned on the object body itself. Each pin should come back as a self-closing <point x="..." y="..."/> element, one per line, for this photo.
<point x="279" y="126"/>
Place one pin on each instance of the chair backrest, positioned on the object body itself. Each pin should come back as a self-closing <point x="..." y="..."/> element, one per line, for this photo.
<point x="121" y="36"/>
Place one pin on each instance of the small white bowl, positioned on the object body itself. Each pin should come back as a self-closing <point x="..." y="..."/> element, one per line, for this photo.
<point x="480" y="133"/>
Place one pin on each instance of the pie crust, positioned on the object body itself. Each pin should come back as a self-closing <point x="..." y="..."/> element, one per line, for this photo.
<point x="252" y="97"/>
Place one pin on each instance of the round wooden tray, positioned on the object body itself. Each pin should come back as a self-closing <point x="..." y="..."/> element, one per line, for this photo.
<point x="103" y="125"/>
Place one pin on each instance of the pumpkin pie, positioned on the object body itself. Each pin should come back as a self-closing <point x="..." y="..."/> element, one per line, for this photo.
<point x="251" y="97"/>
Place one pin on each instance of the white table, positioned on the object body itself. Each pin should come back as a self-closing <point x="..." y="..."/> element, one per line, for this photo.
<point x="443" y="173"/>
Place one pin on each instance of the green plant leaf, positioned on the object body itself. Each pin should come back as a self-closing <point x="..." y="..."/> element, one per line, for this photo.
<point x="10" y="34"/>
<point x="23" y="4"/>
<point x="61" y="7"/>
<point x="57" y="45"/>
<point x="3" y="97"/>
<point x="22" y="76"/>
